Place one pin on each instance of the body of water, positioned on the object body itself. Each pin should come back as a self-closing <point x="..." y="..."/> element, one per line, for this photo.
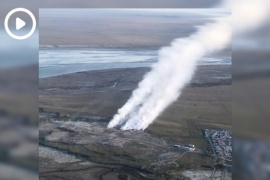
<point x="53" y="62"/>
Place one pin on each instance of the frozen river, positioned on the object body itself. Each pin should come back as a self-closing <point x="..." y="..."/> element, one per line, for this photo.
<point x="53" y="62"/>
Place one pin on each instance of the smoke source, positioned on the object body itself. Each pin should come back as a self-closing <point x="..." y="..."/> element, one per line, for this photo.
<point x="176" y="66"/>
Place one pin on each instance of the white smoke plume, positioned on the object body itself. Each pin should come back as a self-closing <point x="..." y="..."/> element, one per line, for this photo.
<point x="247" y="14"/>
<point x="174" y="69"/>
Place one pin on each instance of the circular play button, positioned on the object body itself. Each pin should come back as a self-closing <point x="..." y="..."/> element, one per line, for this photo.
<point x="20" y="23"/>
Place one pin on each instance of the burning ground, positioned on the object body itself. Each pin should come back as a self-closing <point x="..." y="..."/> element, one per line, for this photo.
<point x="74" y="142"/>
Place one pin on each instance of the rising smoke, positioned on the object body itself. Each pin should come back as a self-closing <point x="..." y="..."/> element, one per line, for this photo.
<point x="174" y="69"/>
<point x="176" y="65"/>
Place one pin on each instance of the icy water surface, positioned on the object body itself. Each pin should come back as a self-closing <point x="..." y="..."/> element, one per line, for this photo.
<point x="53" y="62"/>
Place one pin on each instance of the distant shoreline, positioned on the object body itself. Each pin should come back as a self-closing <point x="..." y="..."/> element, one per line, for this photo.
<point x="108" y="69"/>
<point x="60" y="60"/>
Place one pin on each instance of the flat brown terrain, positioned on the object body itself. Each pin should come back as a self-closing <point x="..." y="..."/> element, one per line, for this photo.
<point x="86" y="102"/>
<point x="206" y="102"/>
<point x="115" y="28"/>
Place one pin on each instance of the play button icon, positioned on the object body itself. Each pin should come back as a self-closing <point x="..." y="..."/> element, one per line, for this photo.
<point x="19" y="23"/>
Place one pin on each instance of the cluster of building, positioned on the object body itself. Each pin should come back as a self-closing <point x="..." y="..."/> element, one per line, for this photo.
<point x="220" y="141"/>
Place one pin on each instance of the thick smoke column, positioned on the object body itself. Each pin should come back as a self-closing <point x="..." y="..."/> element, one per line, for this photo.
<point x="248" y="15"/>
<point x="177" y="63"/>
<point x="174" y="69"/>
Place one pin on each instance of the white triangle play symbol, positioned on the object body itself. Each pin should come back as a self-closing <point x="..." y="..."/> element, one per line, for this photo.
<point x="19" y="24"/>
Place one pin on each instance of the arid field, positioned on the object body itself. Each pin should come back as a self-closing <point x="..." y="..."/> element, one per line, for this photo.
<point x="75" y="109"/>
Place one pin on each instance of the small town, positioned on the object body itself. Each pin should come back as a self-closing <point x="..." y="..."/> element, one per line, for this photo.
<point x="220" y="141"/>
